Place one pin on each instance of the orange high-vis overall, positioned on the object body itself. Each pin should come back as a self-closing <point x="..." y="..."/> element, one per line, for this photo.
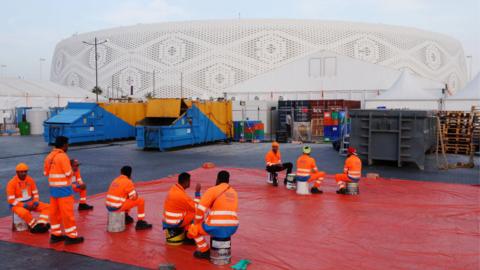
<point x="307" y="169"/>
<point x="221" y="204"/>
<point x="272" y="158"/>
<point x="352" y="171"/>
<point x="59" y="172"/>
<point x="179" y="208"/>
<point x="25" y="192"/>
<point x="76" y="182"/>
<point x="120" y="197"/>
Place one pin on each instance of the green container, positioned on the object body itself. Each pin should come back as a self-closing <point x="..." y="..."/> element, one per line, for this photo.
<point x="24" y="128"/>
<point x="334" y="115"/>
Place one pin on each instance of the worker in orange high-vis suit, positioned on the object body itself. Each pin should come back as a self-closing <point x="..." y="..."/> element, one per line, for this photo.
<point x="274" y="163"/>
<point x="221" y="204"/>
<point x="307" y="171"/>
<point x="179" y="210"/>
<point x="352" y="171"/>
<point x="59" y="172"/>
<point x="79" y="186"/>
<point x="122" y="196"/>
<point x="22" y="196"/>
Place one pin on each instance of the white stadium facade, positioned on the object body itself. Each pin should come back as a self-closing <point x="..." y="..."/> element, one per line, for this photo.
<point x="258" y="59"/>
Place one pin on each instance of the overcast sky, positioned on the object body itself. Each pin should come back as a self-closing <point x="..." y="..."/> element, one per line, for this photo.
<point x="30" y="29"/>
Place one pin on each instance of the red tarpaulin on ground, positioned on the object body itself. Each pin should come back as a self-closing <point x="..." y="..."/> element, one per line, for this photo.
<point x="391" y="225"/>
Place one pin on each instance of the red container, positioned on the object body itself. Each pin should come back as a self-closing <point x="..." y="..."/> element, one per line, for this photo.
<point x="327" y="119"/>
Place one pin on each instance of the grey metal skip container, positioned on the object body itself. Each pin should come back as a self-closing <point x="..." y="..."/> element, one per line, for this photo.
<point x="393" y="135"/>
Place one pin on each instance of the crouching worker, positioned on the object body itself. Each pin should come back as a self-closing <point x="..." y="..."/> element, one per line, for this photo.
<point x="122" y="196"/>
<point x="307" y="170"/>
<point x="179" y="211"/>
<point x="79" y="186"/>
<point x="22" y="195"/>
<point x="221" y="203"/>
<point x="274" y="164"/>
<point x="352" y="171"/>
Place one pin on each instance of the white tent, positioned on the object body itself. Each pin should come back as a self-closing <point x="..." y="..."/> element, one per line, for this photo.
<point x="465" y="98"/>
<point x="408" y="92"/>
<point x="43" y="94"/>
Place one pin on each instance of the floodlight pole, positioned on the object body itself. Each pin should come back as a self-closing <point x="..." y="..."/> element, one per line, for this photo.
<point x="470" y="67"/>
<point x="95" y="44"/>
<point x="41" y="60"/>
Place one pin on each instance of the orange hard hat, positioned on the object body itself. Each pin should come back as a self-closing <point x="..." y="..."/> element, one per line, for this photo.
<point x="21" y="167"/>
<point x="275" y="144"/>
<point x="351" y="150"/>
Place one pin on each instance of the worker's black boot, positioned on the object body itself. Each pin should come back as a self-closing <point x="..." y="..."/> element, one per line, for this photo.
<point x="73" y="241"/>
<point x="55" y="239"/>
<point x="189" y="241"/>
<point x="84" y="207"/>
<point x="142" y="225"/>
<point x="275" y="180"/>
<point x="202" y="255"/>
<point x="342" y="191"/>
<point x="315" y="190"/>
<point x="128" y="219"/>
<point x="39" y="228"/>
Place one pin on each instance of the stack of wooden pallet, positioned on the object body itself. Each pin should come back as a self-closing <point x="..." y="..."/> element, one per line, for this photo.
<point x="457" y="131"/>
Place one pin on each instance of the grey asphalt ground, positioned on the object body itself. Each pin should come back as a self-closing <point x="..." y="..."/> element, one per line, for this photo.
<point x="101" y="163"/>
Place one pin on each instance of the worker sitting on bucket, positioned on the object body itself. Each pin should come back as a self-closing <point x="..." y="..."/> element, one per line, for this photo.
<point x="352" y="171"/>
<point x="122" y="196"/>
<point x="274" y="164"/>
<point x="307" y="170"/>
<point x="79" y="186"/>
<point x="222" y="220"/>
<point x="23" y="198"/>
<point x="179" y="210"/>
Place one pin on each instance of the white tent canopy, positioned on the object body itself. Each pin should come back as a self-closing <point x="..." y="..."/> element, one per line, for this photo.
<point x="465" y="98"/>
<point x="25" y="93"/>
<point x="408" y="92"/>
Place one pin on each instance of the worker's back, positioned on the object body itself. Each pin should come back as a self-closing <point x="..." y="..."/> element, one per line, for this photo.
<point x="178" y="201"/>
<point x="353" y="165"/>
<point x="305" y="165"/>
<point x="119" y="190"/>
<point x="222" y="200"/>
<point x="59" y="171"/>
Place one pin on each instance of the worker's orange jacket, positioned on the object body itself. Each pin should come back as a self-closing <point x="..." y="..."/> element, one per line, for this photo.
<point x="178" y="205"/>
<point x="19" y="192"/>
<point x="121" y="189"/>
<point x="353" y="167"/>
<point x="272" y="158"/>
<point x="222" y="201"/>
<point x="77" y="178"/>
<point x="306" y="165"/>
<point x="59" y="172"/>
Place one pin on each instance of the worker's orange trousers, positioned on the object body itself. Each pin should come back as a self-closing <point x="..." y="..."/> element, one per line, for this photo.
<point x="82" y="193"/>
<point x="188" y="220"/>
<point x="316" y="178"/>
<point x="26" y="215"/>
<point x="342" y="179"/>
<point x="139" y="203"/>
<point x="197" y="232"/>
<point x="61" y="213"/>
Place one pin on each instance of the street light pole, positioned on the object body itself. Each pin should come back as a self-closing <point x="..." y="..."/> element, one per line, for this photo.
<point x="95" y="44"/>
<point x="3" y="67"/>
<point x="41" y="60"/>
<point x="470" y="67"/>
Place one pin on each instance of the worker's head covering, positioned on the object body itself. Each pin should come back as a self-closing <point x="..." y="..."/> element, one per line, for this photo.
<point x="275" y="144"/>
<point x="307" y="149"/>
<point x="351" y="151"/>
<point x="21" y="167"/>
